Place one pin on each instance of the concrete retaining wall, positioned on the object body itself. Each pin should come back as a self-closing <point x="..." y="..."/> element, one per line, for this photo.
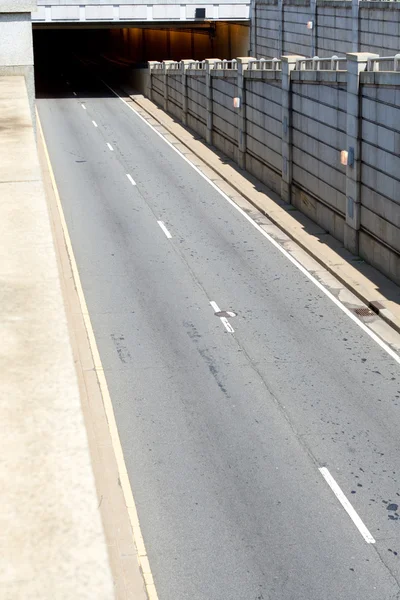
<point x="379" y="27"/>
<point x="264" y="130"/>
<point x="265" y="29"/>
<point x="174" y="91"/>
<point x="157" y="82"/>
<point x="16" y="46"/>
<point x="334" y="29"/>
<point x="338" y="26"/>
<point x="139" y="78"/>
<point x="295" y="118"/>
<point x="380" y="168"/>
<point x="224" y="116"/>
<point x="295" y="34"/>
<point x="196" y="104"/>
<point x="318" y="136"/>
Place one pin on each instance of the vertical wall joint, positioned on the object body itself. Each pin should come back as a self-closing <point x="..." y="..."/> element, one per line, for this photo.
<point x="242" y="66"/>
<point x="281" y="24"/>
<point x="184" y="67"/>
<point x="314" y="25"/>
<point x="166" y="64"/>
<point x="355" y="25"/>
<point x="209" y="99"/>
<point x="288" y="65"/>
<point x="151" y="64"/>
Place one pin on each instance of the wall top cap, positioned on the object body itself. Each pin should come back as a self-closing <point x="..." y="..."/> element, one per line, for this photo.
<point x="291" y="58"/>
<point x="360" y="56"/>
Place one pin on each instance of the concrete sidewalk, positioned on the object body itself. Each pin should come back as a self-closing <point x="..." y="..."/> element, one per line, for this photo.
<point x="52" y="541"/>
<point x="374" y="289"/>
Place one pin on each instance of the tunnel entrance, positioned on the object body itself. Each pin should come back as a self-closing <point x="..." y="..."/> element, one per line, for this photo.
<point x="123" y="52"/>
<point x="135" y="46"/>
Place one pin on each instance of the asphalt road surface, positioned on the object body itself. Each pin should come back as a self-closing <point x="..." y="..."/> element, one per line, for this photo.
<point x="224" y="432"/>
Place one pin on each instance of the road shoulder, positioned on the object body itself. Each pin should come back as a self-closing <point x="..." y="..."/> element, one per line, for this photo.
<point x="127" y="559"/>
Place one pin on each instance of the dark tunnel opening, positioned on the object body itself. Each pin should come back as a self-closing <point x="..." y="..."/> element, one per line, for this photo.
<point x="124" y="51"/>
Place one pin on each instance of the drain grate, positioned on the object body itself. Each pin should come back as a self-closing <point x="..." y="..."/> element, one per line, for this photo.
<point x="364" y="312"/>
<point x="376" y="306"/>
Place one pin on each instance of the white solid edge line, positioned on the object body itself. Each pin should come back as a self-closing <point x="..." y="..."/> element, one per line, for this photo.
<point x="347" y="506"/>
<point x="110" y="147"/>
<point x="165" y="230"/>
<point x="133" y="182"/>
<point x="94" y="123"/>
<point x="293" y="260"/>
<point x="83" y="106"/>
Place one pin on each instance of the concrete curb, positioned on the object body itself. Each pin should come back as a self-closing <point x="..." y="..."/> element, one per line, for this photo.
<point x="371" y="298"/>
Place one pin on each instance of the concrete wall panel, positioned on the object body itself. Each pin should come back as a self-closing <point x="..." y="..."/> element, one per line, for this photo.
<point x="98" y="12"/>
<point x="157" y="97"/>
<point x="380" y="256"/>
<point x="380" y="228"/>
<point x="197" y="125"/>
<point x="64" y="13"/>
<point x="327" y="218"/>
<point x="264" y="173"/>
<point x="381" y="205"/>
<point x="379" y="28"/>
<point x="226" y="145"/>
<point x="166" y="12"/>
<point x="265" y="152"/>
<point x="259" y="131"/>
<point x="318" y="178"/>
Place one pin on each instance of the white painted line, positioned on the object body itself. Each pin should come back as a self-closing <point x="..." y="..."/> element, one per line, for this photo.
<point x="74" y="93"/>
<point x="293" y="260"/>
<point x="110" y="147"/>
<point x="215" y="306"/>
<point x="224" y="320"/>
<point x="133" y="182"/>
<point x="94" y="123"/>
<point x="347" y="506"/>
<point x="165" y="230"/>
<point x="83" y="106"/>
<point x="227" y="325"/>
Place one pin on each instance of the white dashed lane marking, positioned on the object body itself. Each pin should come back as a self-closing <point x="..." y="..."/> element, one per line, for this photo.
<point x="165" y="230"/>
